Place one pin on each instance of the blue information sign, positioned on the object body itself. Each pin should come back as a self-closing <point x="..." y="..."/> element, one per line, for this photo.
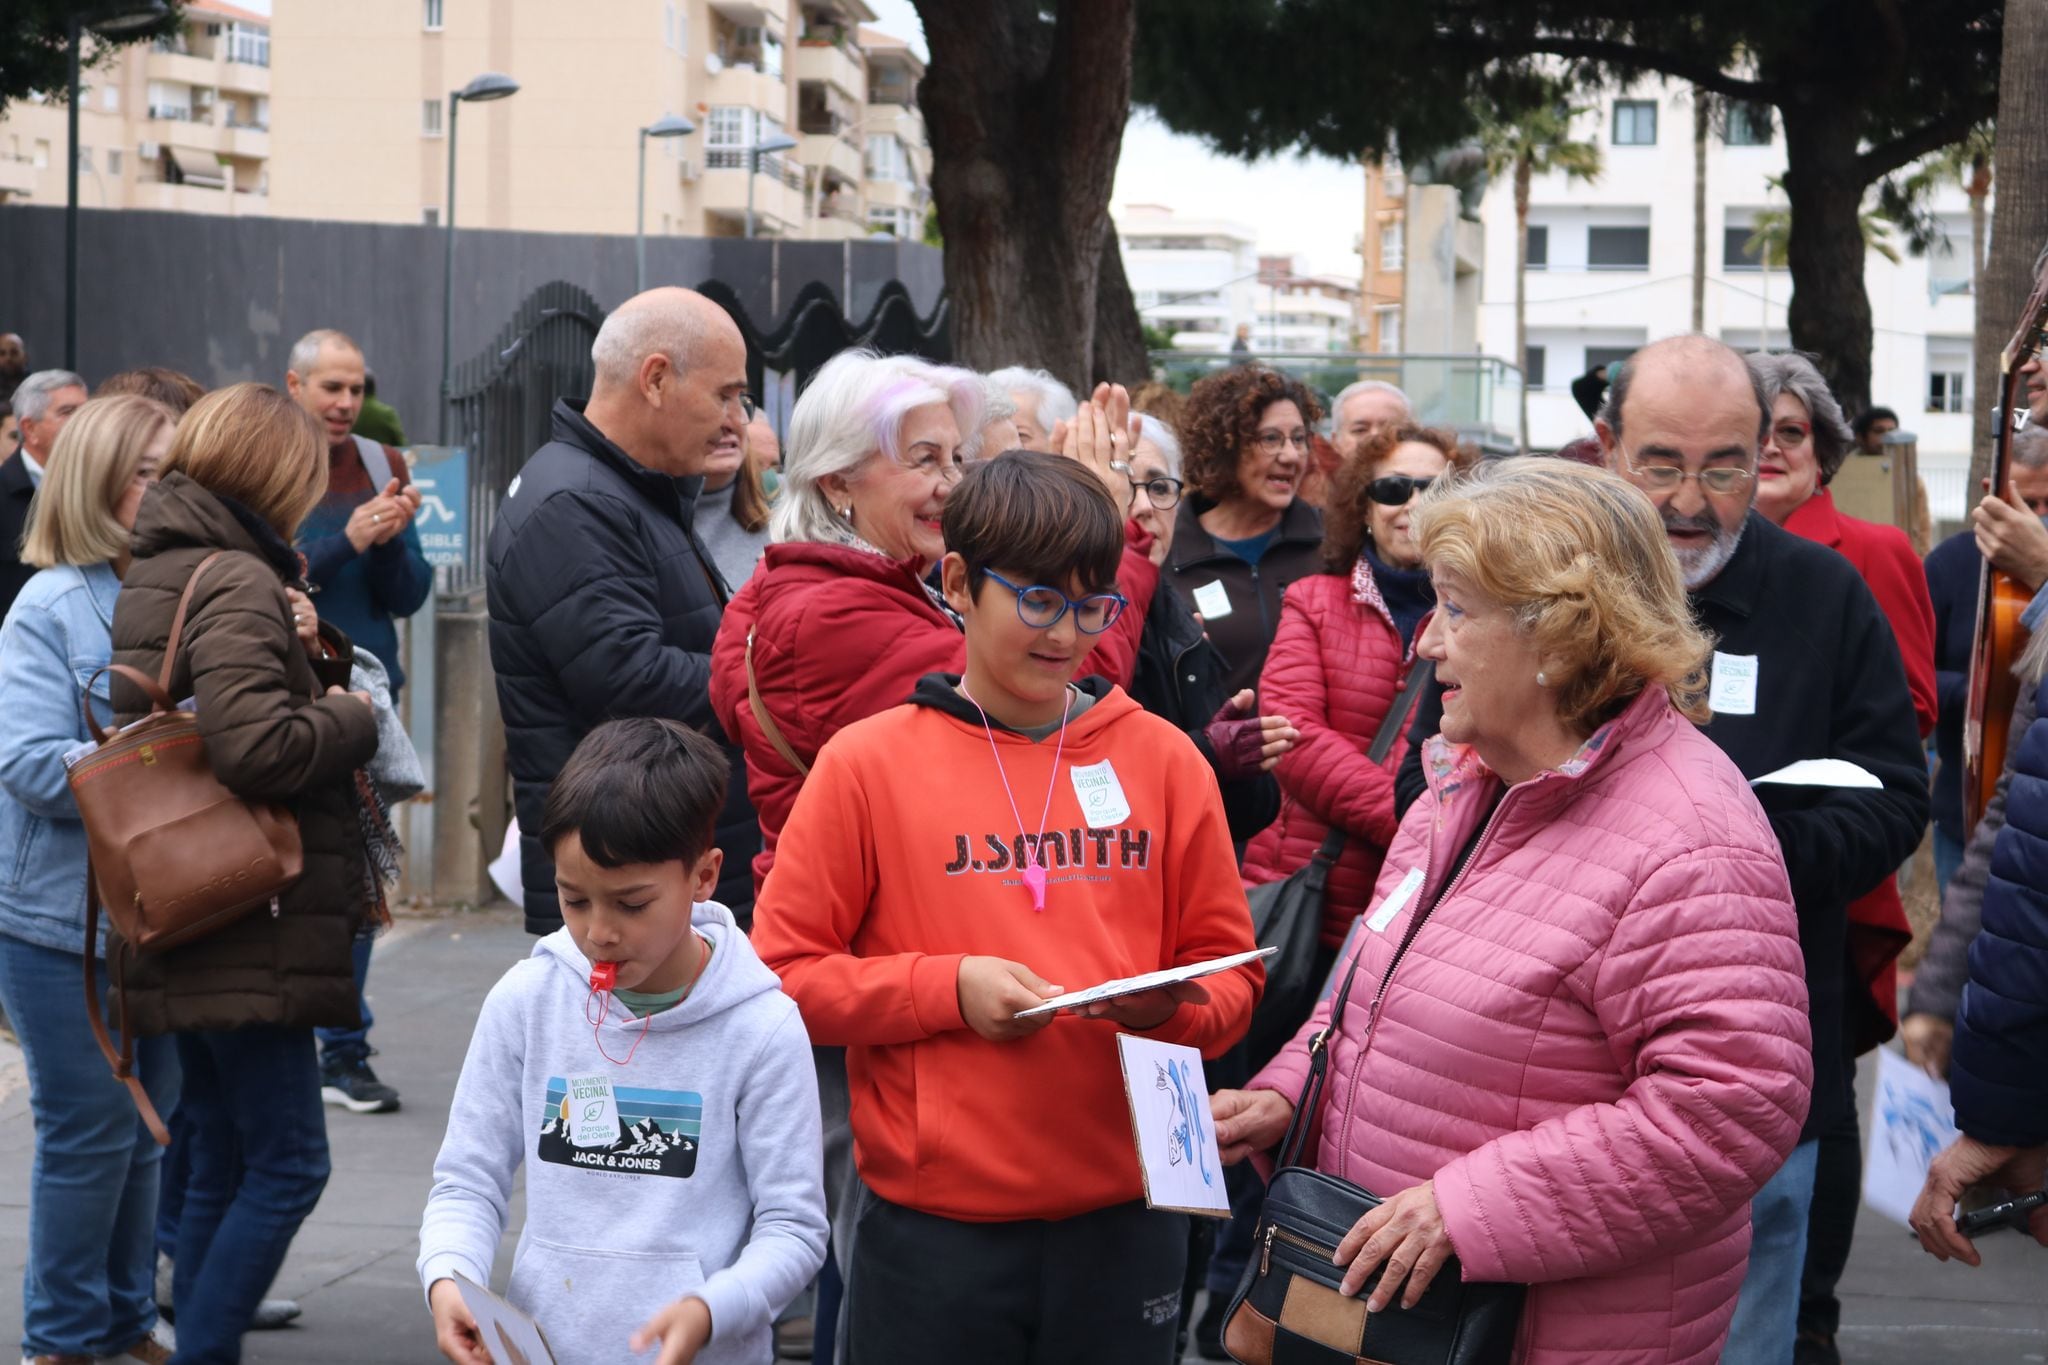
<point x="441" y="473"/>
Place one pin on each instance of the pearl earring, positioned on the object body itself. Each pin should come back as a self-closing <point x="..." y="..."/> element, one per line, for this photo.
<point x="846" y="512"/>
<point x="1542" y="678"/>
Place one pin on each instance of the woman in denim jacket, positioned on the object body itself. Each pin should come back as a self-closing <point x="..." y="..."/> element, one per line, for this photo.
<point x="88" y="1293"/>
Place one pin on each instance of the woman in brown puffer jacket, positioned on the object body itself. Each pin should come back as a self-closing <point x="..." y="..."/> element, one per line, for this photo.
<point x="245" y="466"/>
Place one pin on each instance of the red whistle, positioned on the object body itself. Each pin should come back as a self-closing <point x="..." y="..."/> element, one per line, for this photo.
<point x="603" y="975"/>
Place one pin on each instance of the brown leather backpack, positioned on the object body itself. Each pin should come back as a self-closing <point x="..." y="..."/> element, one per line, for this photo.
<point x="172" y="854"/>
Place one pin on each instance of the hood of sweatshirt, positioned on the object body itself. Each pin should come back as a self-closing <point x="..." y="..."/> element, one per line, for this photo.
<point x="730" y="979"/>
<point x="940" y="692"/>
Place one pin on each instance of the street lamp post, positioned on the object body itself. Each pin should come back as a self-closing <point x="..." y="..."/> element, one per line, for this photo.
<point x="774" y="142"/>
<point x="114" y="21"/>
<point x="668" y="125"/>
<point x="489" y="86"/>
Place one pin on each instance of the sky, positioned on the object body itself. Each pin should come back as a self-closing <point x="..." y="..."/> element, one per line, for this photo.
<point x="1311" y="207"/>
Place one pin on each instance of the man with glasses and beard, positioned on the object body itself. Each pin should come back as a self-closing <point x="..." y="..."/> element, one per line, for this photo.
<point x="1804" y="667"/>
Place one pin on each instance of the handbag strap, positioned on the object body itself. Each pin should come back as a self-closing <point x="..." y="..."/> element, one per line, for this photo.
<point x="178" y="621"/>
<point x="766" y="721"/>
<point x="122" y="1060"/>
<point x="1311" y="1098"/>
<point x="1391" y="726"/>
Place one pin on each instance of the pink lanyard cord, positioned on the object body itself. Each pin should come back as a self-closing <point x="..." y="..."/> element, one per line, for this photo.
<point x="1034" y="871"/>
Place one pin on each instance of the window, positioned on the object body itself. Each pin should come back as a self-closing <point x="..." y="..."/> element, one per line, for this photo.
<point x="250" y="46"/>
<point x="110" y="98"/>
<point x="897" y="222"/>
<point x="1635" y="123"/>
<point x="1387" y="328"/>
<point x="1948" y="258"/>
<point x="887" y="160"/>
<point x="1539" y="248"/>
<point x="1735" y="252"/>
<point x="430" y="118"/>
<point x="1532" y="367"/>
<point x="430" y="217"/>
<point x="726" y="135"/>
<point x="113" y="163"/>
<point x="1618" y="248"/>
<point x="1393" y="244"/>
<point x="431" y="13"/>
<point x="1948" y="372"/>
<point x="1609" y="356"/>
<point x="42" y="154"/>
<point x="668" y="26"/>
<point x="1945" y="391"/>
<point x="85" y="161"/>
<point x="1749" y="125"/>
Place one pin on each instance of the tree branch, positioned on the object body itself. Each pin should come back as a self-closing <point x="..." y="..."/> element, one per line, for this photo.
<point x="1698" y="73"/>
<point x="1943" y="132"/>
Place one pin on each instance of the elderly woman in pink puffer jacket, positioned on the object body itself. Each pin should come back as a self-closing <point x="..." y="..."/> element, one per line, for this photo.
<point x="1580" y="1044"/>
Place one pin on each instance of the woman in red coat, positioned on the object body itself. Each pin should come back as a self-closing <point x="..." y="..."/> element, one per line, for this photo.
<point x="1336" y="665"/>
<point x="1808" y="442"/>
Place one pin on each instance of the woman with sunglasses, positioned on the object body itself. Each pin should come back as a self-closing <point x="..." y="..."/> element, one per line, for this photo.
<point x="1807" y="443"/>
<point x="1243" y="533"/>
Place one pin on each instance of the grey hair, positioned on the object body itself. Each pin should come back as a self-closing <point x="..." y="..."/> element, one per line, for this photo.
<point x="996" y="406"/>
<point x="1052" y="401"/>
<point x="1787" y="372"/>
<point x="852" y="410"/>
<point x="1351" y="391"/>
<point x="659" y="321"/>
<point x="33" y="395"/>
<point x="1151" y="429"/>
<point x="1619" y="376"/>
<point x="306" y="350"/>
<point x="2030" y="447"/>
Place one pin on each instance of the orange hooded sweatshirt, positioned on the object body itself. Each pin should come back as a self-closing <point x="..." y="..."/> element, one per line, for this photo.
<point x="900" y="858"/>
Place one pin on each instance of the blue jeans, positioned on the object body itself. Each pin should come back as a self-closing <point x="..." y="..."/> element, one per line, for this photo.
<point x="348" y="1046"/>
<point x="1767" y="1310"/>
<point x="259" y="1162"/>
<point x="87" y="1288"/>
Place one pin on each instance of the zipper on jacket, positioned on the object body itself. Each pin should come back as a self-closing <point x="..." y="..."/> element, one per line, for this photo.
<point x="273" y="907"/>
<point x="1274" y="1230"/>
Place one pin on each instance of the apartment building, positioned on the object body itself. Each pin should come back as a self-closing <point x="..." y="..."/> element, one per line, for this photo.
<point x="1611" y="267"/>
<point x="1195" y="278"/>
<point x="362" y="109"/>
<point x="1301" y="311"/>
<point x="1383" y="249"/>
<point x="181" y="123"/>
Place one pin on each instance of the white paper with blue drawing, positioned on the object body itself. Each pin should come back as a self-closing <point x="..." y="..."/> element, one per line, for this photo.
<point x="1911" y="1121"/>
<point x="1170" y="1117"/>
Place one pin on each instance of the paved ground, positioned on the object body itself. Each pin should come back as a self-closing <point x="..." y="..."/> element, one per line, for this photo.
<point x="352" y="1266"/>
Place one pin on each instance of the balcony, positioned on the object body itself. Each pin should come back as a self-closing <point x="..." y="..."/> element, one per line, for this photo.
<point x="181" y="68"/>
<point x="778" y="205"/>
<point x="157" y="194"/>
<point x="817" y="60"/>
<point x="751" y="89"/>
<point x="244" y="78"/>
<point x="835" y="157"/>
<point x="17" y="176"/>
<point x="174" y="127"/>
<point x="895" y="194"/>
<point x="245" y="140"/>
<point x="903" y="122"/>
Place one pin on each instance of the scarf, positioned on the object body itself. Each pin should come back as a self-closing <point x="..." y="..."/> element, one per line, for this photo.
<point x="1405" y="593"/>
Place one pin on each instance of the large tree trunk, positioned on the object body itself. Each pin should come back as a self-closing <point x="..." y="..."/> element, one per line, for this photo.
<point x="1026" y="120"/>
<point x="1702" y="116"/>
<point x="1523" y="171"/>
<point x="1119" y="336"/>
<point x="2019" y="223"/>
<point x="1829" y="314"/>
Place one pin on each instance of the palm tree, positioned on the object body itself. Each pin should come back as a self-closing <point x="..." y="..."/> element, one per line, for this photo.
<point x="1538" y="142"/>
<point x="1771" y="232"/>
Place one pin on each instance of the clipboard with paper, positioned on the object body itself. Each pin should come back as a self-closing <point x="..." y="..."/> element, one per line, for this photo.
<point x="1169" y="1102"/>
<point x="1148" y="981"/>
<point x="509" y="1335"/>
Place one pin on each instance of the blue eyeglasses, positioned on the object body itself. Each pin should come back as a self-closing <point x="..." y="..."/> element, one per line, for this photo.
<point x="1041" y="607"/>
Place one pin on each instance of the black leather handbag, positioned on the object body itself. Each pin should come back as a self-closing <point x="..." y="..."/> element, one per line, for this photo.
<point x="1288" y="914"/>
<point x="1287" y="1309"/>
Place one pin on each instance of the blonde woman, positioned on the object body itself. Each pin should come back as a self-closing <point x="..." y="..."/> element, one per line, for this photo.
<point x="87" y="1293"/>
<point x="246" y="466"/>
<point x="1577" y="1040"/>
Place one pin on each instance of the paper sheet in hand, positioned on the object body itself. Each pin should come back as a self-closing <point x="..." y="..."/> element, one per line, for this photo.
<point x="1911" y="1121"/>
<point x="1131" y="985"/>
<point x="511" y="1337"/>
<point x="1820" y="772"/>
<point x="1170" y="1116"/>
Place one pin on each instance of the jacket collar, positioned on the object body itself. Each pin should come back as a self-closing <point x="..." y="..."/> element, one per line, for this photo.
<point x="1740" y="585"/>
<point x="180" y="514"/>
<point x="102" y="585"/>
<point x="1817" y="519"/>
<point x="15" y="480"/>
<point x="1451" y="767"/>
<point x="1300" y="524"/>
<point x="676" y="496"/>
<point x="1365" y="591"/>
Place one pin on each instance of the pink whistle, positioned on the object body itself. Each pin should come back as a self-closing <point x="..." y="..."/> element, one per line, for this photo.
<point x="604" y="975"/>
<point x="1034" y="882"/>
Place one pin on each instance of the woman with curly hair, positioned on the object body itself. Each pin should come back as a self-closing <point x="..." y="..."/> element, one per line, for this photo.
<point x="1243" y="533"/>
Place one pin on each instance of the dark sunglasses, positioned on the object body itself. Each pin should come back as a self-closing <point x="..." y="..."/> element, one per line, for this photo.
<point x="1394" y="490"/>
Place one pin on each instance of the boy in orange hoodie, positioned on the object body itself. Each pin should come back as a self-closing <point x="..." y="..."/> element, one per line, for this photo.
<point x="1004" y="836"/>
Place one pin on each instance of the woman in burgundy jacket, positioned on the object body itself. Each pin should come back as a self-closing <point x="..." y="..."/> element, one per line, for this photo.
<point x="1336" y="665"/>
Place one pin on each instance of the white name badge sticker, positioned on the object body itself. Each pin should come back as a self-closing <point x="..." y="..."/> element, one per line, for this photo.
<point x="1734" y="689"/>
<point x="591" y="1111"/>
<point x="1396" y="899"/>
<point x="1100" y="794"/>
<point x="1212" y="600"/>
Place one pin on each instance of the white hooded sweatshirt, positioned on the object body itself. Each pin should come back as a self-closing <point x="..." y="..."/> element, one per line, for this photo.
<point x="693" y="1170"/>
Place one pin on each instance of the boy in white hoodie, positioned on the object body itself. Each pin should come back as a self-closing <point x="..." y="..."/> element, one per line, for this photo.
<point x="657" y="1075"/>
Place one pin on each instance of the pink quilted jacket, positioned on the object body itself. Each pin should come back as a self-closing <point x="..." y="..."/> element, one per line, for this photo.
<point x="1596" y="1045"/>
<point x="1334" y="668"/>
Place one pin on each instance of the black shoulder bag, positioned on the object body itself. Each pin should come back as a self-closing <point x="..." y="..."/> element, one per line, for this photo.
<point x="1287" y="1309"/>
<point x="1288" y="914"/>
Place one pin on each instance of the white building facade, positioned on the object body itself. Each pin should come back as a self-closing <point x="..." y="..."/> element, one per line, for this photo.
<point x="1197" y="278"/>
<point x="1610" y="268"/>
